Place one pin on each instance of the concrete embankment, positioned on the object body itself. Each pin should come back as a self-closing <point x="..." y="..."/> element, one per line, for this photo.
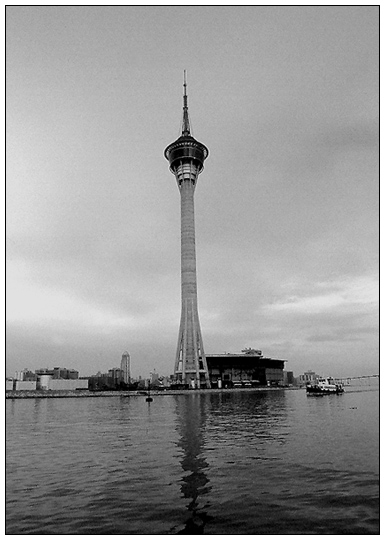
<point x="28" y="394"/>
<point x="25" y="394"/>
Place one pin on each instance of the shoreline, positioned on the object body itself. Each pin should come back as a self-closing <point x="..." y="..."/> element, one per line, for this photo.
<point x="49" y="394"/>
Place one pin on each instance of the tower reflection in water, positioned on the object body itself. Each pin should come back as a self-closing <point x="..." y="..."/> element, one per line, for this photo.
<point x="191" y="419"/>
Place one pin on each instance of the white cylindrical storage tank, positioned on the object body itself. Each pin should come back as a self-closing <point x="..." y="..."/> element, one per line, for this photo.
<point x="44" y="382"/>
<point x="219" y="383"/>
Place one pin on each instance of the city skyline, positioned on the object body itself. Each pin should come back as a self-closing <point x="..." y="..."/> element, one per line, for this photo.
<point x="286" y="98"/>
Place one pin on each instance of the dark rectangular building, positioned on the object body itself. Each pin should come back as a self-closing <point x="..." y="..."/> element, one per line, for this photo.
<point x="246" y="369"/>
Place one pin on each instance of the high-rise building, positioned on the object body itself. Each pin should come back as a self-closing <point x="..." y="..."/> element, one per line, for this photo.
<point x="186" y="157"/>
<point x="125" y="367"/>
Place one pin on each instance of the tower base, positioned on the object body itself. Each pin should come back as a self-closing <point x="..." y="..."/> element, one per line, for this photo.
<point x="190" y="362"/>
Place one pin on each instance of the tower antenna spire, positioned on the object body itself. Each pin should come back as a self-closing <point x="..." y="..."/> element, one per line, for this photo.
<point x="186" y="120"/>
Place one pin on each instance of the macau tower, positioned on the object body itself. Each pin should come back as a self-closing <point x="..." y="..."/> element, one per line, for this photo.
<point x="186" y="157"/>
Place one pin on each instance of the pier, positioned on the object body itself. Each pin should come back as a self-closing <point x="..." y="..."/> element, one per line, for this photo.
<point x="362" y="380"/>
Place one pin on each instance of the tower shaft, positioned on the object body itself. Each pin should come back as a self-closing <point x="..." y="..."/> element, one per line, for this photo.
<point x="190" y="361"/>
<point x="188" y="256"/>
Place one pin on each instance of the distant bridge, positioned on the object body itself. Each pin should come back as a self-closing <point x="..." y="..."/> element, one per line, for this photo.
<point x="363" y="380"/>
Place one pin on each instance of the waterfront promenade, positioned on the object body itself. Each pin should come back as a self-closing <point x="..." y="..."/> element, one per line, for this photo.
<point x="28" y="394"/>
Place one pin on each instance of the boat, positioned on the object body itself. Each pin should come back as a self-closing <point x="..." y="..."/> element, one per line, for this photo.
<point x="324" y="386"/>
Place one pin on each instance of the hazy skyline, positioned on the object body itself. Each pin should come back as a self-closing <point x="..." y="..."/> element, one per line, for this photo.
<point x="286" y="100"/>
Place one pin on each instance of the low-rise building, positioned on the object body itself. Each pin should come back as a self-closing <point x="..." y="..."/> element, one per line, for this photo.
<point x="116" y="375"/>
<point x="308" y="377"/>
<point x="25" y="375"/>
<point x="25" y="385"/>
<point x="288" y="378"/>
<point x="43" y="381"/>
<point x="68" y="384"/>
<point x="58" y="373"/>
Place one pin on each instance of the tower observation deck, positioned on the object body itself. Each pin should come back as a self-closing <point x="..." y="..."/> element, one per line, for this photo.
<point x="186" y="157"/>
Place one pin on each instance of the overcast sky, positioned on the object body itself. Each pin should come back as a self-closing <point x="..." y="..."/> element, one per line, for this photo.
<point x="286" y="100"/>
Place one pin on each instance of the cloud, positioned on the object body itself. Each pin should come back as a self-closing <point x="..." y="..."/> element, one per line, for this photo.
<point x="342" y="334"/>
<point x="360" y="293"/>
<point x="351" y="135"/>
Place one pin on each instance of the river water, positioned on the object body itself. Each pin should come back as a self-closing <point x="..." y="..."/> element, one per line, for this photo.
<point x="259" y="462"/>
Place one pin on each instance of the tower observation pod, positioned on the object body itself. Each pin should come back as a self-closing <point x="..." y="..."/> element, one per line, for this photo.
<point x="186" y="157"/>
